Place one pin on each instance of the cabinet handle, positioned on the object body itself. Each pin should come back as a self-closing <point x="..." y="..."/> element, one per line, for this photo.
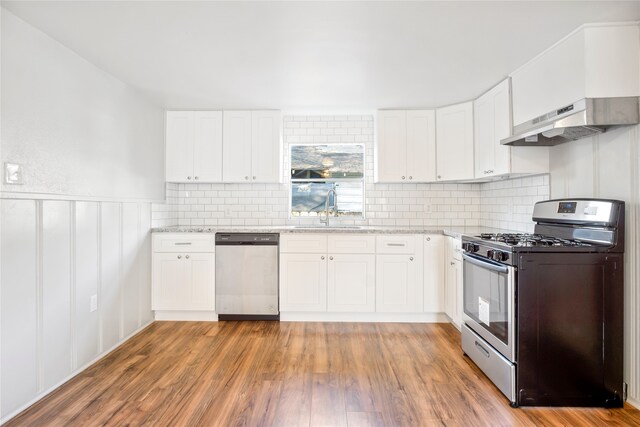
<point x="322" y="257"/>
<point x="186" y="256"/>
<point x="428" y="239"/>
<point x="189" y="178"/>
<point x="452" y="263"/>
<point x="410" y="177"/>
<point x="395" y="244"/>
<point x="331" y="258"/>
<point x="490" y="171"/>
<point x="410" y="258"/>
<point x="403" y="177"/>
<point x="179" y="256"/>
<point x="182" y="243"/>
<point x="246" y="178"/>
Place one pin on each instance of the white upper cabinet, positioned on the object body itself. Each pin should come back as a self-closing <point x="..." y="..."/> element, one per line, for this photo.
<point x="251" y="146"/>
<point x="594" y="61"/>
<point x="492" y="123"/>
<point x="454" y="142"/>
<point x="405" y="146"/>
<point x="194" y="146"/>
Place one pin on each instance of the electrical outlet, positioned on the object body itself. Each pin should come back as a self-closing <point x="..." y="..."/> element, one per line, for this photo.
<point x="227" y="211"/>
<point x="93" y="303"/>
<point x="12" y="173"/>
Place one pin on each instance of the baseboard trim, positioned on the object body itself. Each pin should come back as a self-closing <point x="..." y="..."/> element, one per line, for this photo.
<point x="365" y="317"/>
<point x="72" y="375"/>
<point x="633" y="402"/>
<point x="185" y="316"/>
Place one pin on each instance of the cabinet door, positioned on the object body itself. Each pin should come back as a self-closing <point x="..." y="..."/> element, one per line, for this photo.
<point x="183" y="281"/>
<point x="501" y="95"/>
<point x="457" y="301"/>
<point x="303" y="282"/>
<point x="454" y="142"/>
<point x="266" y="152"/>
<point x="170" y="282"/>
<point x="450" y="289"/>
<point x="200" y="268"/>
<point x="207" y="149"/>
<point x="434" y="277"/>
<point x="421" y="146"/>
<point x="391" y="147"/>
<point x="398" y="284"/>
<point x="236" y="146"/>
<point x="179" y="146"/>
<point x="483" y="136"/>
<point x="351" y="283"/>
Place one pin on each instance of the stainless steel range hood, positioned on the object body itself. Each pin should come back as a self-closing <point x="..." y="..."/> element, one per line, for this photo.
<point x="575" y="121"/>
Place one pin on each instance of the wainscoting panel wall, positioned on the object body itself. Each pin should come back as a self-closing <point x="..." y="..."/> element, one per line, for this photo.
<point x="56" y="293"/>
<point x="75" y="284"/>
<point x="608" y="166"/>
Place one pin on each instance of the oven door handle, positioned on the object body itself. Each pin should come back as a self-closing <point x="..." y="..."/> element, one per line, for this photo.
<point x="485" y="264"/>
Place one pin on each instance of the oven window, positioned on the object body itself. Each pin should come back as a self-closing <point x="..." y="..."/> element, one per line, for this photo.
<point x="486" y="299"/>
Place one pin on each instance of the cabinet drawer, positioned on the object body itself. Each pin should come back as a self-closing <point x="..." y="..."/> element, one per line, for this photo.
<point x="396" y="244"/>
<point x="184" y="242"/>
<point x="303" y="243"/>
<point x="351" y="244"/>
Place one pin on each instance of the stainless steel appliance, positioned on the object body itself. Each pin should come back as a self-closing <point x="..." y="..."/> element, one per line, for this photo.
<point x="575" y="121"/>
<point x="543" y="312"/>
<point x="247" y="276"/>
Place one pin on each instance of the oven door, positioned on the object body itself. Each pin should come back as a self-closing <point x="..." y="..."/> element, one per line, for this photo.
<point x="488" y="302"/>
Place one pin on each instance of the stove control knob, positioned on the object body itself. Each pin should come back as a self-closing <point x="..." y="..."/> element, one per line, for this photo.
<point x="490" y="253"/>
<point x="500" y="256"/>
<point x="470" y="247"/>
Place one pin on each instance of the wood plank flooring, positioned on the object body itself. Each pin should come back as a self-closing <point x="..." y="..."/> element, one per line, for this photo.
<point x="294" y="374"/>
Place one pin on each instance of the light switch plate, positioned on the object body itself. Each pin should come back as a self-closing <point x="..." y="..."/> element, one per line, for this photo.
<point x="12" y="173"/>
<point x="93" y="303"/>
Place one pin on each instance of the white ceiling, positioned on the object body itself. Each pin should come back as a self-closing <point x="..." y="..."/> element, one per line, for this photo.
<point x="313" y="55"/>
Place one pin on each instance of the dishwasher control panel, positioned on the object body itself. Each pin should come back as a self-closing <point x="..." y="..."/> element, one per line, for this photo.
<point x="247" y="238"/>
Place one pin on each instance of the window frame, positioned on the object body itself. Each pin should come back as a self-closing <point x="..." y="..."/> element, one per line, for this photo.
<point x="291" y="181"/>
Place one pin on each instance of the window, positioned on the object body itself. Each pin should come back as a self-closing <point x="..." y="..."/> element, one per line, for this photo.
<point x="316" y="169"/>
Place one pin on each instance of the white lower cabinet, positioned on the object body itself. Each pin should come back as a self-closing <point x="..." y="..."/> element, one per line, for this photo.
<point x="303" y="282"/>
<point x="453" y="281"/>
<point x="351" y="283"/>
<point x="434" y="277"/>
<point x="398" y="284"/>
<point x="183" y="281"/>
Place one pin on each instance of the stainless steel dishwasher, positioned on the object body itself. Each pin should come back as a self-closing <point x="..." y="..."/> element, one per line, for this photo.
<point x="247" y="276"/>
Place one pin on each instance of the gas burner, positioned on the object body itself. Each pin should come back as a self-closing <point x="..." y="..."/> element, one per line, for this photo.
<point x="530" y="240"/>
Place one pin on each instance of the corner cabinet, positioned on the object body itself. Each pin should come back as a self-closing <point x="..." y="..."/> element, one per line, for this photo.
<point x="405" y="146"/>
<point x="252" y="147"/>
<point x="491" y="124"/>
<point x="193" y="146"/>
<point x="454" y="142"/>
<point x="183" y="272"/>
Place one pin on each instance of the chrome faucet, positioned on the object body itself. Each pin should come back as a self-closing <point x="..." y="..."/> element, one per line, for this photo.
<point x="326" y="206"/>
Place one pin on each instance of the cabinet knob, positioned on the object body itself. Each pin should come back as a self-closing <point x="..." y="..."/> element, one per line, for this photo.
<point x="179" y="256"/>
<point x="403" y="177"/>
<point x="254" y="177"/>
<point x="186" y="256"/>
<point x="331" y="258"/>
<point x="246" y="177"/>
<point x="410" y="177"/>
<point x="195" y="177"/>
<point x="439" y="176"/>
<point x="452" y="263"/>
<point x="189" y="178"/>
<point x="490" y="171"/>
<point x="428" y="239"/>
<point x="322" y="257"/>
<point x="410" y="258"/>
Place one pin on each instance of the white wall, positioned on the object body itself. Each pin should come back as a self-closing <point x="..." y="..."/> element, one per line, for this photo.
<point x="75" y="129"/>
<point x="92" y="150"/>
<point x="608" y="166"/>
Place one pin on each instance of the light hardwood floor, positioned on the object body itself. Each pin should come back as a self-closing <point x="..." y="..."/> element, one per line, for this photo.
<point x="294" y="374"/>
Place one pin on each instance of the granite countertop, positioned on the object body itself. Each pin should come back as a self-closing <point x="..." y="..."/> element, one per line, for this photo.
<point x="453" y="231"/>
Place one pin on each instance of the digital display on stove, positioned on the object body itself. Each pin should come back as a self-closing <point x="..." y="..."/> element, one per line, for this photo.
<point x="567" y="207"/>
